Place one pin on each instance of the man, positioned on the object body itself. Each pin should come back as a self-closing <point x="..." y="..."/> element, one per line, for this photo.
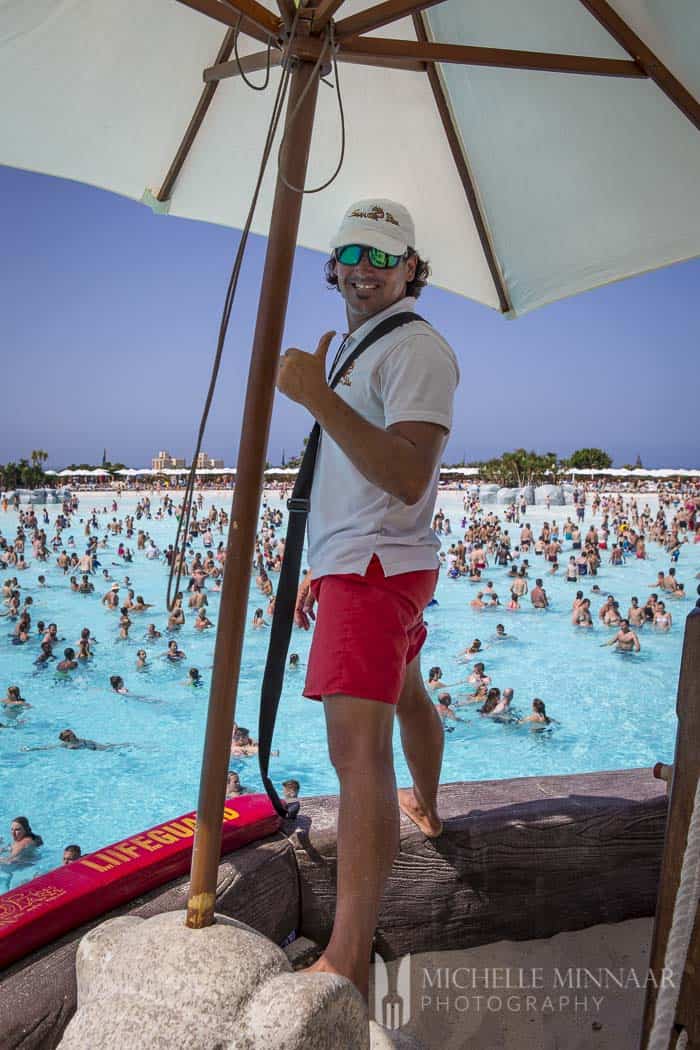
<point x="443" y="707"/>
<point x="111" y="598"/>
<point x="71" y="853"/>
<point x="625" y="641"/>
<point x="538" y="596"/>
<point x="503" y="705"/>
<point x="234" y="788"/>
<point x="373" y="558"/>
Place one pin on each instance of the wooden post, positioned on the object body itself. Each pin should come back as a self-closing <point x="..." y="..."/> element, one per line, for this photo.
<point x="686" y="770"/>
<point x="255" y="428"/>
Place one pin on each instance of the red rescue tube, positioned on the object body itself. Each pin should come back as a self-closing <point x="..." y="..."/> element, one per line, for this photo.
<point x="49" y="906"/>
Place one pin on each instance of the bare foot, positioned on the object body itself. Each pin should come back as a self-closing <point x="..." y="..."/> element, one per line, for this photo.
<point x="322" y="965"/>
<point x="429" y="823"/>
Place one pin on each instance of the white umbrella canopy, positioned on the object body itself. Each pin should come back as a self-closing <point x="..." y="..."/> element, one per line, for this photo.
<point x="526" y="185"/>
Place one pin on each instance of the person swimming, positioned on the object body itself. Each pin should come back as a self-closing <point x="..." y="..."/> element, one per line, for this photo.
<point x="491" y="702"/>
<point x="14" y="701"/>
<point x="444" y="708"/>
<point x="472" y="649"/>
<point x="243" y="745"/>
<point x="172" y="653"/>
<point x="69" y="662"/>
<point x="539" y="717"/>
<point x="194" y="678"/>
<point x="24" y="844"/>
<point x="625" y="641"/>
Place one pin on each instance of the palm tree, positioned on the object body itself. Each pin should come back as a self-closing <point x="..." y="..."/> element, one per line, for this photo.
<point x="39" y="457"/>
<point x="10" y="475"/>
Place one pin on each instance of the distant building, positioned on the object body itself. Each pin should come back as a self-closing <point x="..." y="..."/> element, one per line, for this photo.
<point x="164" y="461"/>
<point x="206" y="462"/>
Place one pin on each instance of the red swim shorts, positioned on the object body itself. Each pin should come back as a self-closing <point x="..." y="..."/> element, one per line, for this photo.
<point x="368" y="628"/>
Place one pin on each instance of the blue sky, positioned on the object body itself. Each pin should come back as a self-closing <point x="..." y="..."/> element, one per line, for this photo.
<point x="109" y="317"/>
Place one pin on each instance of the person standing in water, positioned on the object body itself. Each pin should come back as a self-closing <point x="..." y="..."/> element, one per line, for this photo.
<point x="373" y="558"/>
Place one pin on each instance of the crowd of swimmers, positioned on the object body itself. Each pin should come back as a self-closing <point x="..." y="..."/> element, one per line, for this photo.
<point x="86" y="565"/>
<point x="570" y="550"/>
<point x="573" y="552"/>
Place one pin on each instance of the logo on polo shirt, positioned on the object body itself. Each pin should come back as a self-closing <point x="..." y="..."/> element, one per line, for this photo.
<point x="345" y="380"/>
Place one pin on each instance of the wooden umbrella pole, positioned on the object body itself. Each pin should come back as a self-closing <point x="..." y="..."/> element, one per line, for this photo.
<point x="686" y="769"/>
<point x="272" y="308"/>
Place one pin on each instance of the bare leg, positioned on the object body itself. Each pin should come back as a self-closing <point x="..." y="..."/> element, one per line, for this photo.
<point x="360" y="745"/>
<point x="423" y="740"/>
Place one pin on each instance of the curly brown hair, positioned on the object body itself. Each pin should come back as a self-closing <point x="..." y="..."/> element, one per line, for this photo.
<point x="413" y="287"/>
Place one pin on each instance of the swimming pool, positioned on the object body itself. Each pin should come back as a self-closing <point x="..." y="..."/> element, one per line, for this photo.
<point x="613" y="711"/>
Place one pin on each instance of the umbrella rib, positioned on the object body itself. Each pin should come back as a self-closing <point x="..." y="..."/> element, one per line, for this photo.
<point x="195" y="122"/>
<point x="252" y="63"/>
<point x="456" y="144"/>
<point x="247" y="64"/>
<point x="228" y="13"/>
<point x="257" y="14"/>
<point x="501" y="58"/>
<point x="412" y="54"/>
<point x="645" y="57"/>
<point x="381" y="15"/>
<point x="382" y="62"/>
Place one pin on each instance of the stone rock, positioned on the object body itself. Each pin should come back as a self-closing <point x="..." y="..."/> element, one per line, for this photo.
<point x="302" y="952"/>
<point x="506" y="496"/>
<point x="487" y="494"/>
<point x="154" y="984"/>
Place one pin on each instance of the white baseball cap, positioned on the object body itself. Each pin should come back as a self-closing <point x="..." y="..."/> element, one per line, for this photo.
<point x="378" y="223"/>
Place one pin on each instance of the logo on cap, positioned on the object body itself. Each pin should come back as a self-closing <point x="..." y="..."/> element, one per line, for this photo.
<point x="375" y="213"/>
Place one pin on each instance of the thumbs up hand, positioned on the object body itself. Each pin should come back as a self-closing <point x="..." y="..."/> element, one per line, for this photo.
<point x="302" y="376"/>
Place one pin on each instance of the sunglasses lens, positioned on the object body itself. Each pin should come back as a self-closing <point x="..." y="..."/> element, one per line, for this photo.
<point x="349" y="254"/>
<point x="380" y="259"/>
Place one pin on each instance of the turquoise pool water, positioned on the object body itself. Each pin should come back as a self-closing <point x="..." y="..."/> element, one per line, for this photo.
<point x="613" y="711"/>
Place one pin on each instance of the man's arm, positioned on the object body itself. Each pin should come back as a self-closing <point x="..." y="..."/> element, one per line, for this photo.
<point x="399" y="460"/>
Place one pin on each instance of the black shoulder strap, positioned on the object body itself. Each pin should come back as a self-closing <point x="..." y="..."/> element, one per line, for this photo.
<point x="285" y="600"/>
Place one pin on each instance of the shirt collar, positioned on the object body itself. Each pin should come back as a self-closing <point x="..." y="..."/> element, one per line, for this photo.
<point x="407" y="303"/>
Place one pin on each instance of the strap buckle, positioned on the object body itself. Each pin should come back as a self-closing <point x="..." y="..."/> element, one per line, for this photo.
<point x="297" y="505"/>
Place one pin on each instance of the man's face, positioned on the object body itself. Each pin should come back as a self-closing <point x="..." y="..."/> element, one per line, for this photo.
<point x="368" y="290"/>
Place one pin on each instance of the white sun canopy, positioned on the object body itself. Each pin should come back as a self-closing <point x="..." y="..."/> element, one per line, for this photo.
<point x="637" y="472"/>
<point x="579" y="179"/>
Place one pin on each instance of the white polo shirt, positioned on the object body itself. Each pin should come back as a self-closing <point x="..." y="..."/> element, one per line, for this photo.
<point x="409" y="374"/>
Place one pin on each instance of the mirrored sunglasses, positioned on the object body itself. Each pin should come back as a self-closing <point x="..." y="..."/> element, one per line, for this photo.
<point x="350" y="255"/>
